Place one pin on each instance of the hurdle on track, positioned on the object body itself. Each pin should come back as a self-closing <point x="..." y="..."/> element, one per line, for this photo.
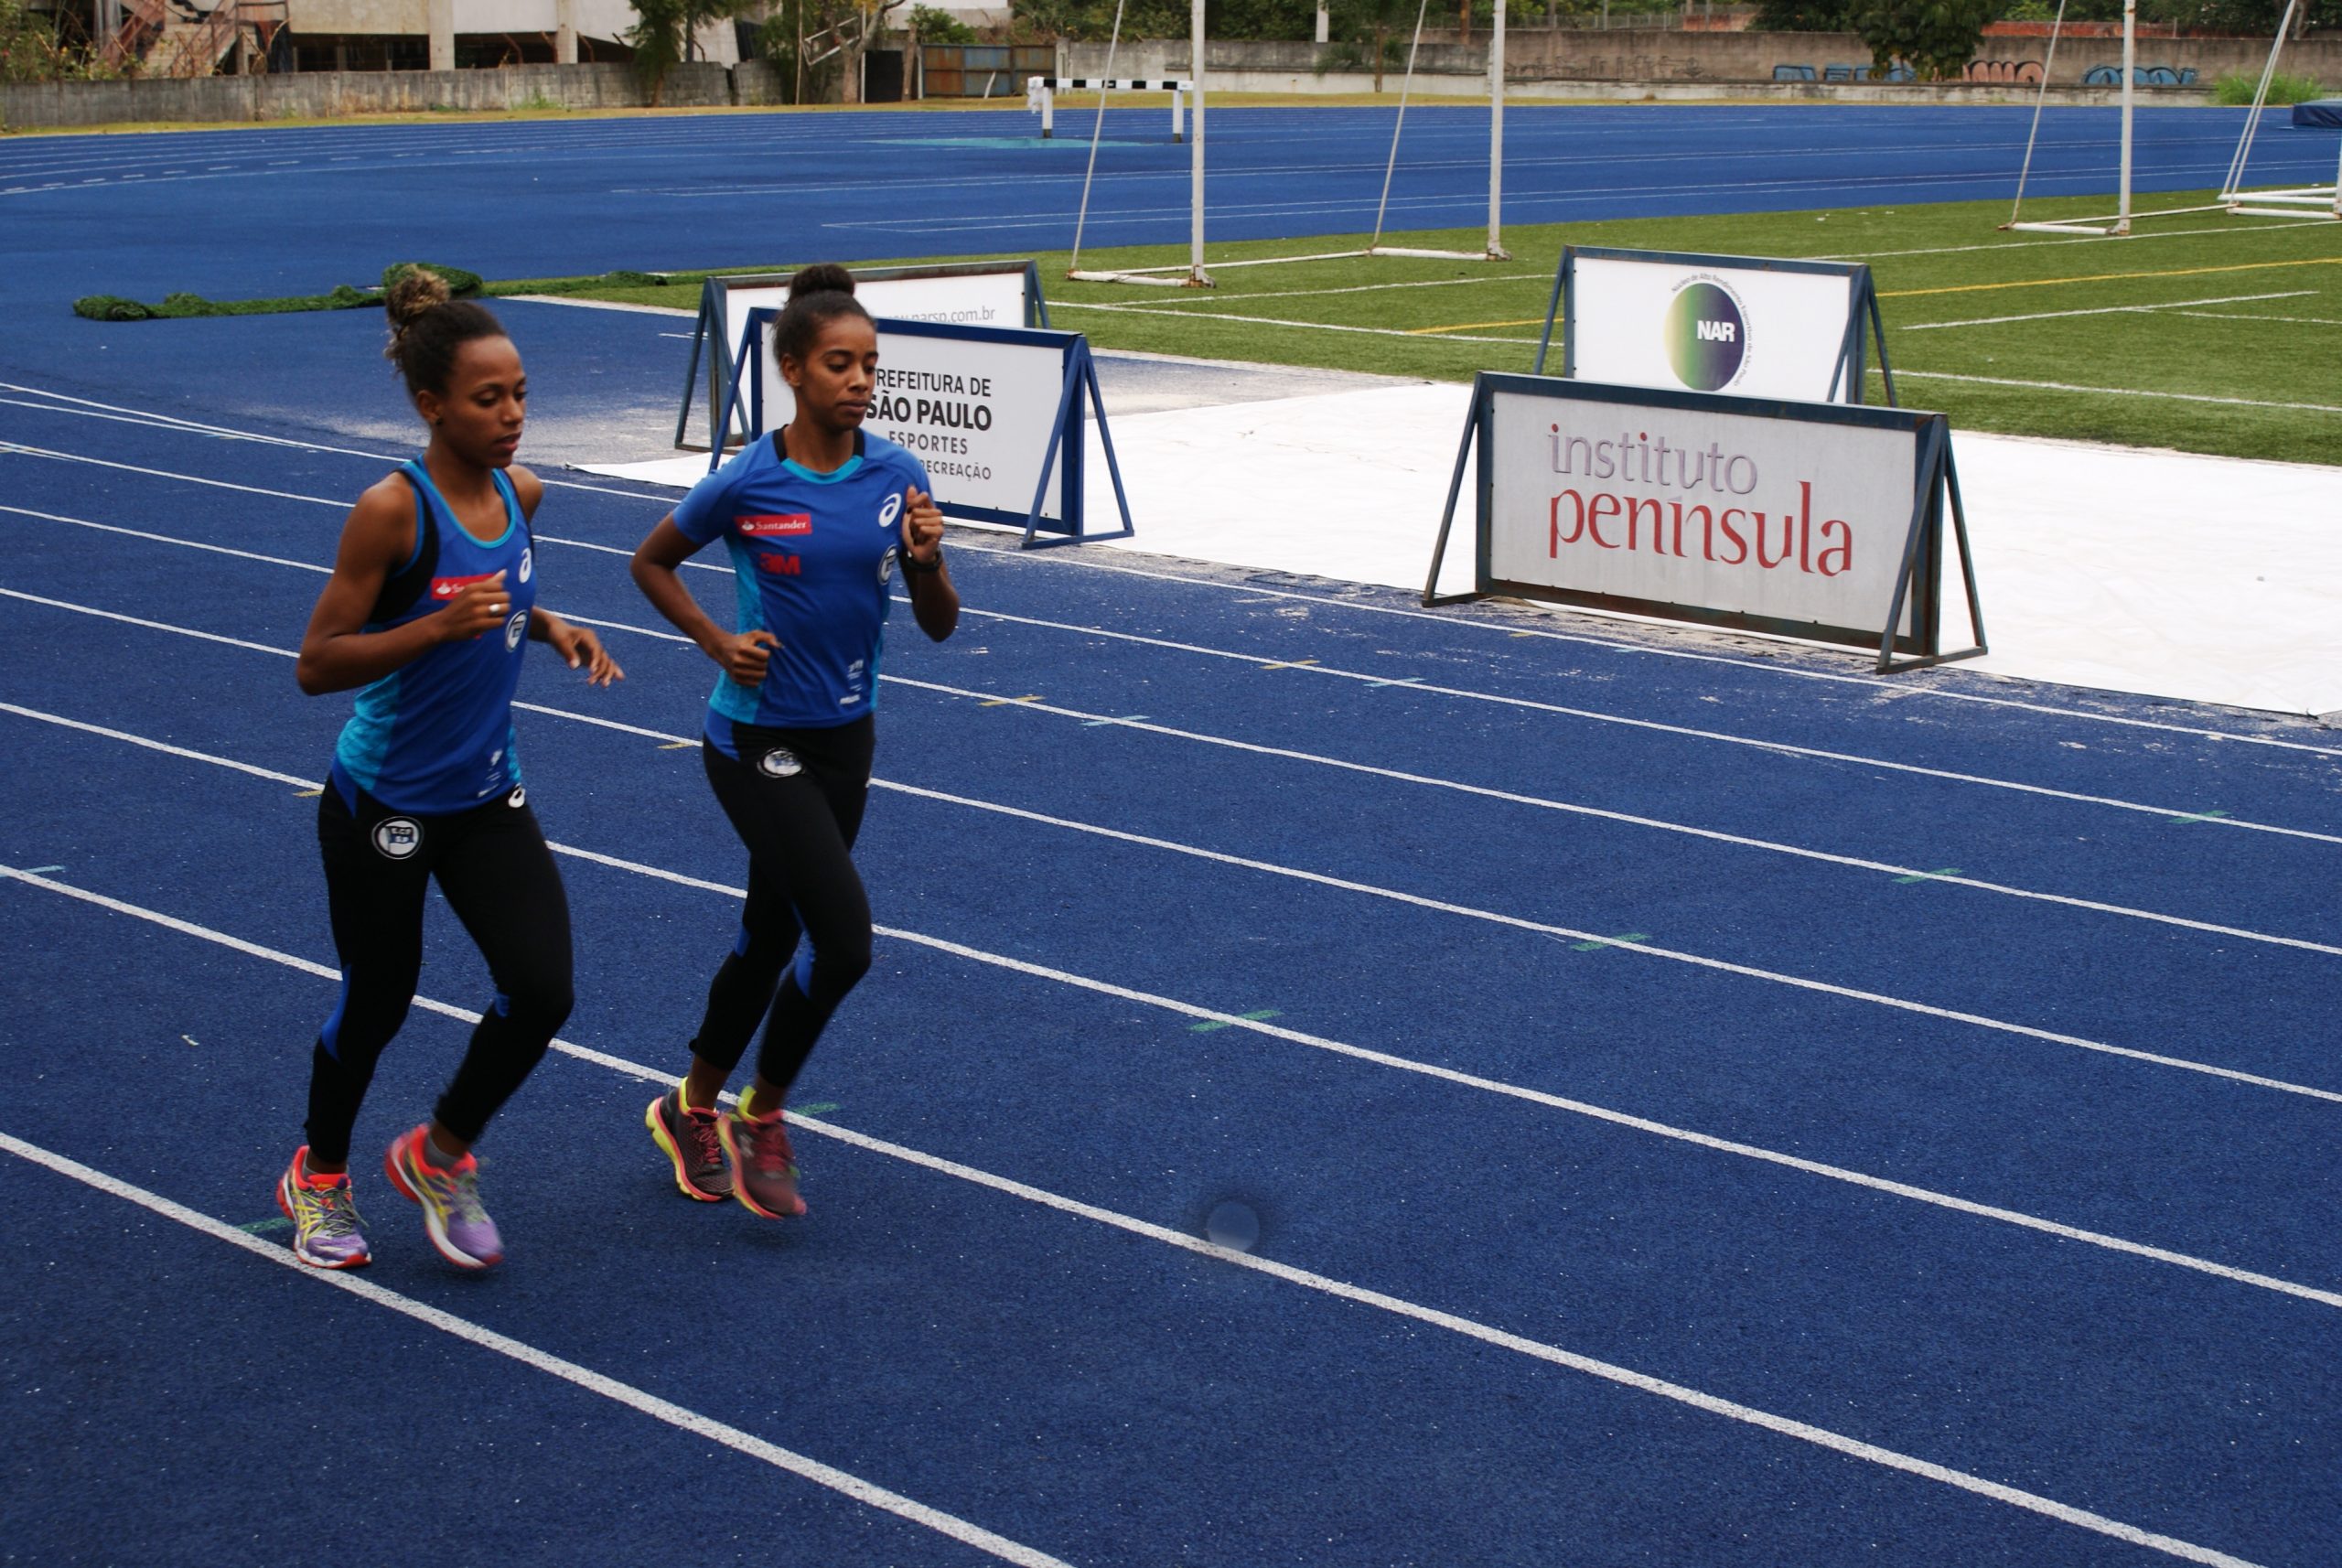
<point x="1040" y="92"/>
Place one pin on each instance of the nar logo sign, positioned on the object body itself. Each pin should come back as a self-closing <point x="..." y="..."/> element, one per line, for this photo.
<point x="774" y="525"/>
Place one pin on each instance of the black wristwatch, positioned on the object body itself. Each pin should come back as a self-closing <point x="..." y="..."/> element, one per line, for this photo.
<point x="910" y="564"/>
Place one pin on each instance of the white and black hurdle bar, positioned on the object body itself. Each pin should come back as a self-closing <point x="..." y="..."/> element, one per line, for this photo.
<point x="1040" y="92"/>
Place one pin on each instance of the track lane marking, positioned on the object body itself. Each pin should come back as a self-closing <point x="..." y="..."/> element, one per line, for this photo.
<point x="1470" y="1328"/>
<point x="641" y="1402"/>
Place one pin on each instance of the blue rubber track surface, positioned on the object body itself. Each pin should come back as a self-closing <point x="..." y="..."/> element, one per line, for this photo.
<point x="262" y="212"/>
<point x="1700" y="1106"/>
<point x="2034" y="1191"/>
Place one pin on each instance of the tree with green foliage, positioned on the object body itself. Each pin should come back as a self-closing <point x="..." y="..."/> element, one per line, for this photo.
<point x="1803" y="16"/>
<point x="34" y="46"/>
<point x="662" y="35"/>
<point x="929" y="26"/>
<point x="1935" y="37"/>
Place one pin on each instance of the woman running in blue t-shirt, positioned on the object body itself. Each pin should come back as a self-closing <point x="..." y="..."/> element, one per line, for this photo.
<point x="814" y="517"/>
<point x="432" y="598"/>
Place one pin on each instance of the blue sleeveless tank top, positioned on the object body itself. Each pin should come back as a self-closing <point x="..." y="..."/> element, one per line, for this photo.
<point x="435" y="735"/>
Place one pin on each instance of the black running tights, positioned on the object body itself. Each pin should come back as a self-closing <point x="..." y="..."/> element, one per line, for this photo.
<point x="795" y="797"/>
<point x="493" y="864"/>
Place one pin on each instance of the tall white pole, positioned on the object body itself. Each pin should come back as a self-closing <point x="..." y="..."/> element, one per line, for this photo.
<point x="2130" y="70"/>
<point x="1196" y="273"/>
<point x="1497" y="252"/>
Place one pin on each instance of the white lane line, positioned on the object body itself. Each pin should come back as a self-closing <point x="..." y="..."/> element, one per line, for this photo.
<point x="1628" y="819"/>
<point x="1397" y="776"/>
<point x="1069" y="559"/>
<point x="1532" y="704"/>
<point x="149" y="625"/>
<point x="708" y="1428"/>
<point x="1515" y="922"/>
<point x="88" y="408"/>
<point x="2177" y="304"/>
<point x="1316" y="1042"/>
<point x="1264" y="661"/>
<point x="2244" y="316"/>
<point x="1341" y="1290"/>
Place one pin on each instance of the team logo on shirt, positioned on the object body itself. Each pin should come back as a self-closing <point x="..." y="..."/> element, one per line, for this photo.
<point x="779" y="763"/>
<point x="774" y="525"/>
<point x="889" y="510"/>
<point x="779" y="562"/>
<point x="528" y="562"/>
<point x="515" y="629"/>
<point x="398" y="837"/>
<point x="518" y="799"/>
<point x="885" y="568"/>
<point x="444" y="588"/>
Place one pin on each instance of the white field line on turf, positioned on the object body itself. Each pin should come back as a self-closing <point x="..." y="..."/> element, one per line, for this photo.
<point x="683" y="1420"/>
<point x="1340" y="1290"/>
<point x="2137" y="238"/>
<point x="1069" y="559"/>
<point x="2115" y="392"/>
<point x="2281" y="320"/>
<point x="2176" y="305"/>
<point x="1928" y="1196"/>
<point x="1496" y="918"/>
<point x="1264" y="661"/>
<point x="1217" y="316"/>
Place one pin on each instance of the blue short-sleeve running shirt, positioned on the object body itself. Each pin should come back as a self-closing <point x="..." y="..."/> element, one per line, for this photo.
<point x="813" y="556"/>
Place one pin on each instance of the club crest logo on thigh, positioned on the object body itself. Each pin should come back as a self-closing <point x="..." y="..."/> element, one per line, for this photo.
<point x="779" y="763"/>
<point x="518" y="799"/>
<point x="398" y="837"/>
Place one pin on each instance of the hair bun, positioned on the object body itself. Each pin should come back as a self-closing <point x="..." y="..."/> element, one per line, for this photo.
<point x="822" y="277"/>
<point x="414" y="291"/>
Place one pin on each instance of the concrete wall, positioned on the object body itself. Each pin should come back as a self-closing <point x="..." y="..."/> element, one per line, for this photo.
<point x="322" y="94"/>
<point x="1653" y="55"/>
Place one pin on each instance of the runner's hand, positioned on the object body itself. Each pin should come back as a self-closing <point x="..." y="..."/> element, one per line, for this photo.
<point x="922" y="527"/>
<point x="477" y="608"/>
<point x="746" y="655"/>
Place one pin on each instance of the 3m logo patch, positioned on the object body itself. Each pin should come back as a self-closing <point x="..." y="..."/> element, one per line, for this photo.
<point x="780" y="564"/>
<point x="444" y="588"/>
<point x="776" y="525"/>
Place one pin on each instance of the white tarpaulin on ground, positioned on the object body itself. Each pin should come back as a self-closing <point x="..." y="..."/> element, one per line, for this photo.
<point x="2203" y="578"/>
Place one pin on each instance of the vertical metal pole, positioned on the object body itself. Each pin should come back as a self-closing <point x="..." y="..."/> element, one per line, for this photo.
<point x="1196" y="273"/>
<point x="1496" y="251"/>
<point x="2130" y="88"/>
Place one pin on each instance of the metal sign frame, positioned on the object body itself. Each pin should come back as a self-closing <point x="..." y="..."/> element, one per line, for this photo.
<point x="1864" y="329"/>
<point x="714" y="306"/>
<point x="1078" y="387"/>
<point x="1935" y="481"/>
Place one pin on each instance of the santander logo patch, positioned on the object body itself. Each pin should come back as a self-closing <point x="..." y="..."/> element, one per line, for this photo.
<point x="448" y="588"/>
<point x="774" y="525"/>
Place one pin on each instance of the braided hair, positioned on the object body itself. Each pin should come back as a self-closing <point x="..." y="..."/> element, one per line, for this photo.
<point x="428" y="324"/>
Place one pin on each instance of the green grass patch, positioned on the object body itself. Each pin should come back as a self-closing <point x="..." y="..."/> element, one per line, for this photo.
<point x="2235" y="89"/>
<point x="2202" y="332"/>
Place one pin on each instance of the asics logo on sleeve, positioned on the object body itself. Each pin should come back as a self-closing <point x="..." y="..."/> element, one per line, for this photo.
<point x="889" y="510"/>
<point x="774" y="525"/>
<point x="528" y="562"/>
